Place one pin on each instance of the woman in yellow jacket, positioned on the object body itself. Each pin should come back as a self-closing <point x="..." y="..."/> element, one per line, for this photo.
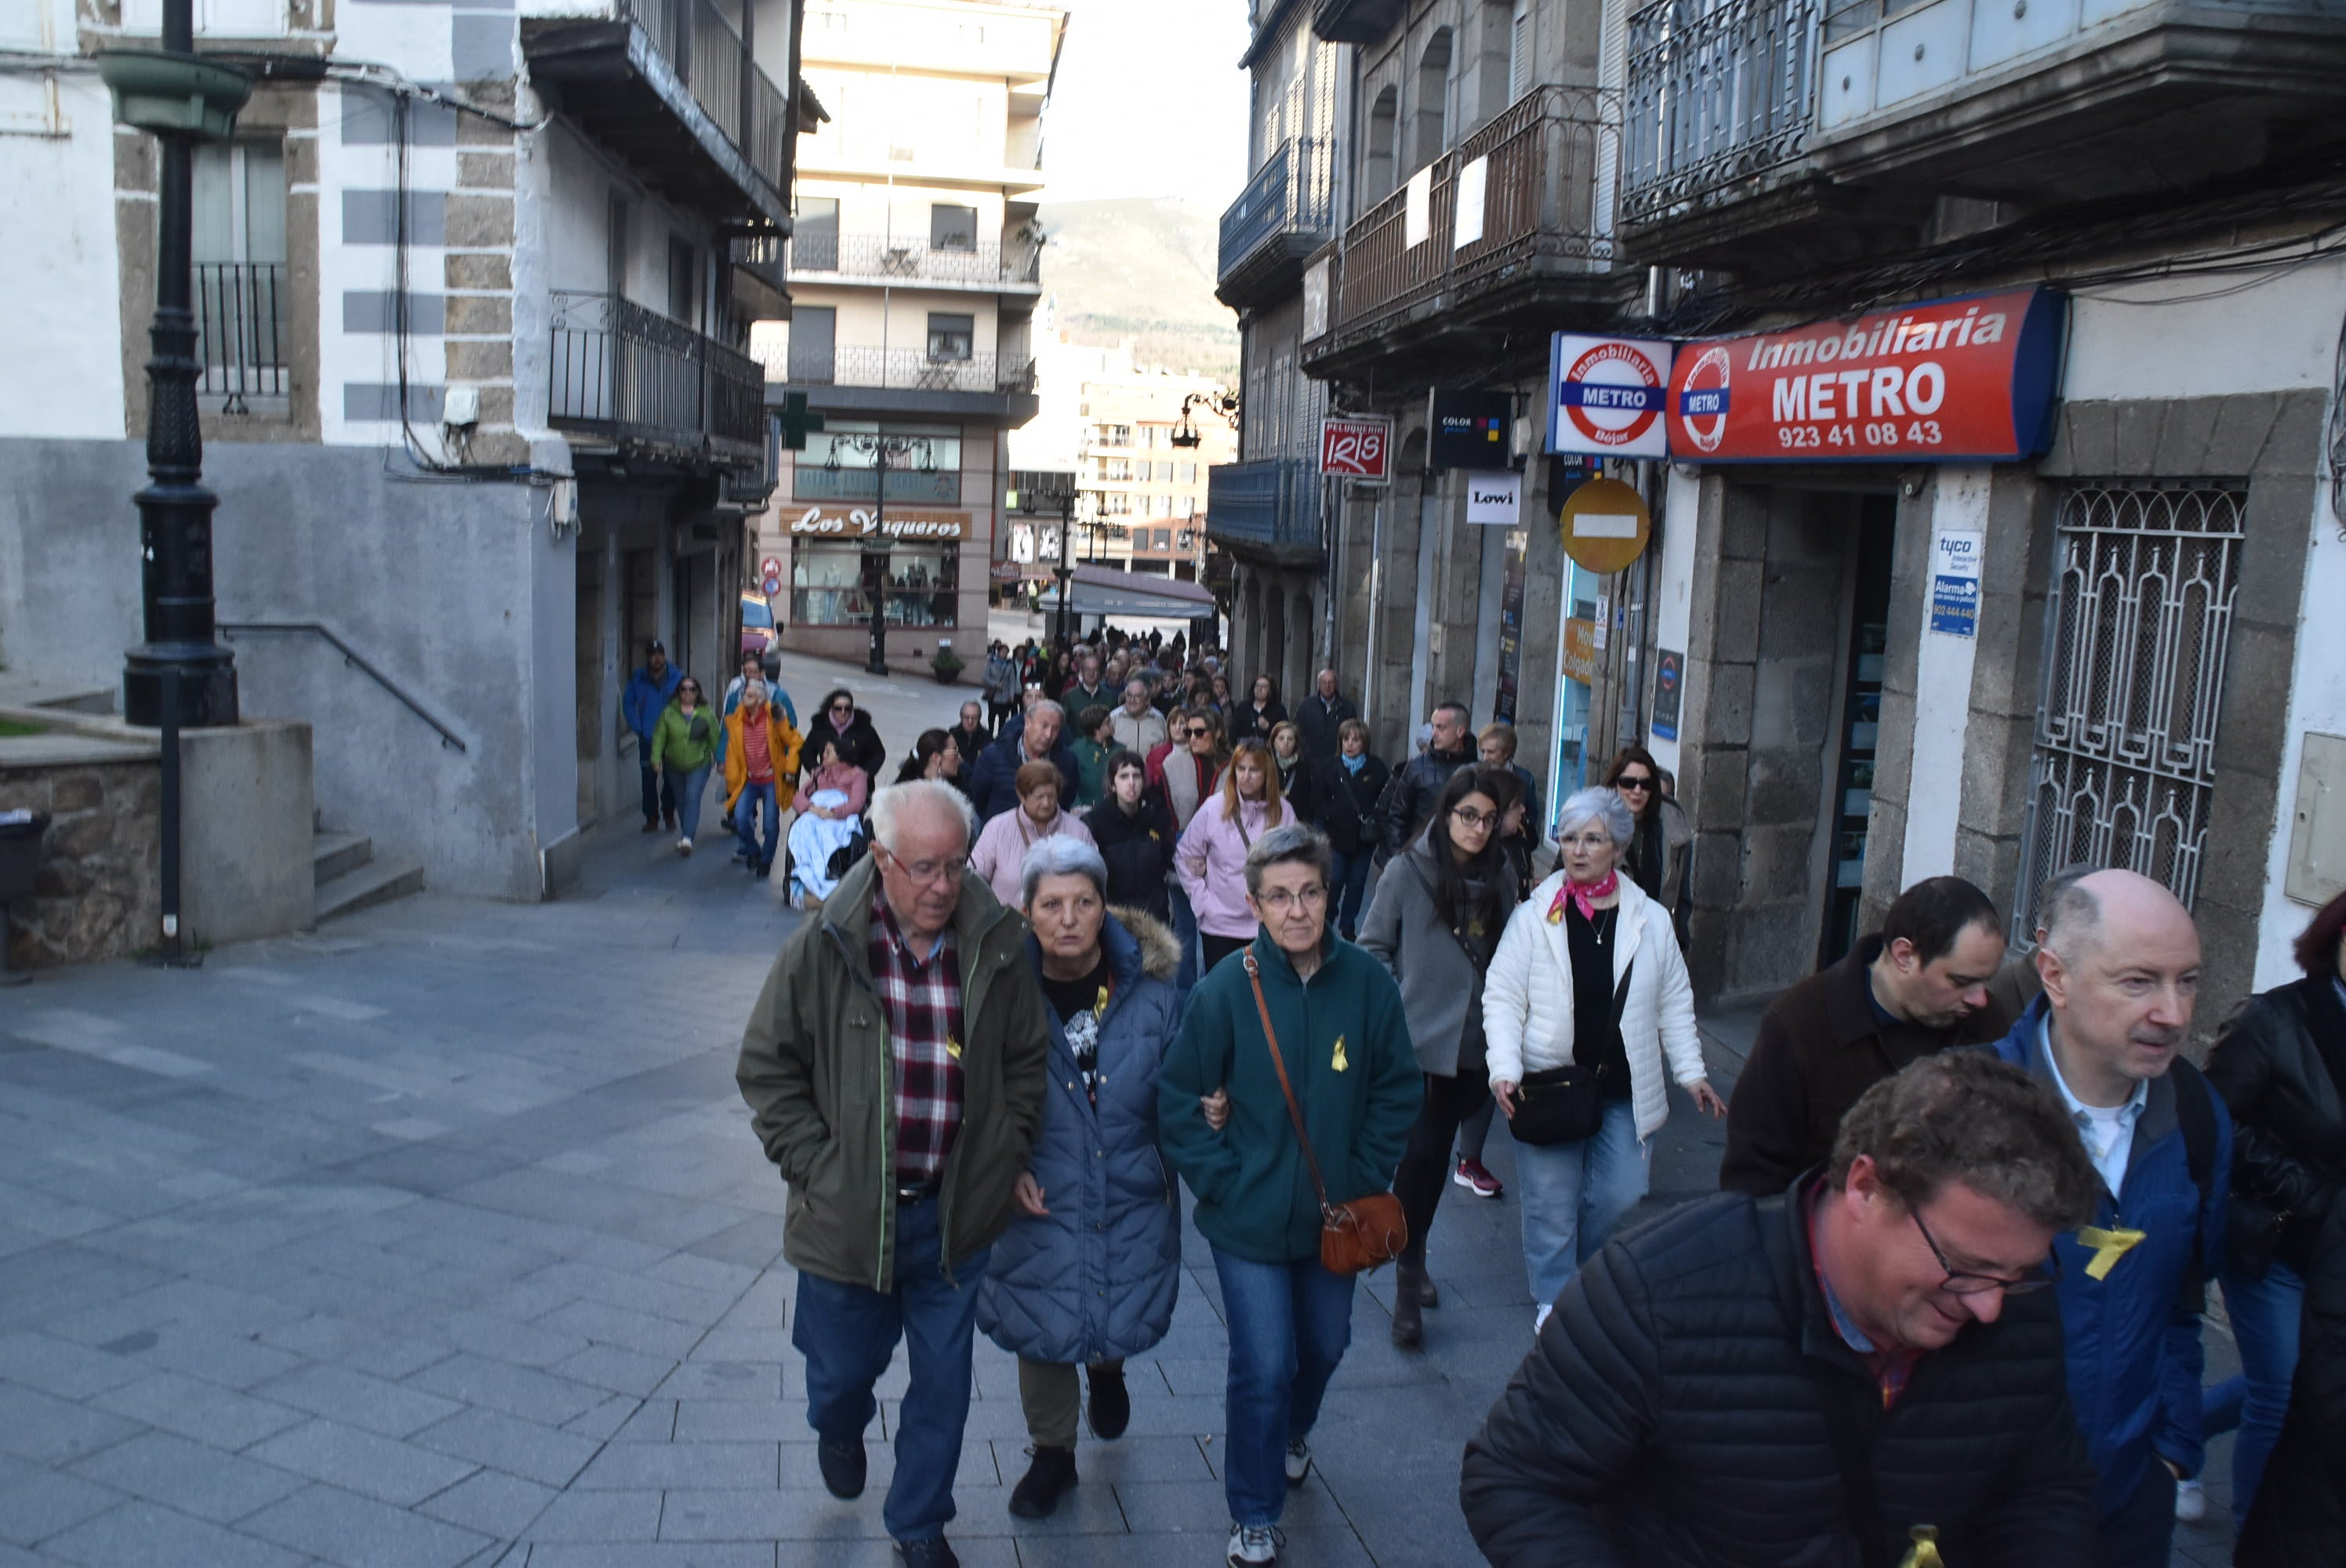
<point x="762" y="767"/>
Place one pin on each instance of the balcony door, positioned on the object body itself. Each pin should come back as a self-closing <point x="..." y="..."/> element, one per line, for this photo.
<point x="814" y="344"/>
<point x="239" y="248"/>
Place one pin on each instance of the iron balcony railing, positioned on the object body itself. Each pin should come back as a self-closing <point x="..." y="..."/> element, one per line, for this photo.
<point x="1271" y="503"/>
<point x="712" y="61"/>
<point x="241" y="332"/>
<point x="631" y="374"/>
<point x="1547" y="170"/>
<point x="1294" y="193"/>
<point x="1717" y="94"/>
<point x="887" y="259"/>
<point x="901" y="370"/>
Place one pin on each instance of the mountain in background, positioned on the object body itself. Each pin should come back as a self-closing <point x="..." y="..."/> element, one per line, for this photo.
<point x="1141" y="270"/>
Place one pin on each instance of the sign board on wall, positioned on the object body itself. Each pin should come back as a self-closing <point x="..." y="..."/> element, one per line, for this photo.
<point x="1969" y="377"/>
<point x="1605" y="396"/>
<point x="1495" y="499"/>
<point x="1470" y="430"/>
<point x="1956" y="563"/>
<point x="1669" y="688"/>
<point x="1356" y="448"/>
<point x="1580" y="650"/>
<point x="836" y="520"/>
<point x="1467" y="199"/>
<point x="1606" y="525"/>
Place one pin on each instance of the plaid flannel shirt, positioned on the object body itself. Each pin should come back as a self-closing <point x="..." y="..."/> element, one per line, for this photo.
<point x="922" y="1004"/>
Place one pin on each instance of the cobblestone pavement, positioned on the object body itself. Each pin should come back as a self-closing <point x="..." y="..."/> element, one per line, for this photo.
<point x="439" y="1238"/>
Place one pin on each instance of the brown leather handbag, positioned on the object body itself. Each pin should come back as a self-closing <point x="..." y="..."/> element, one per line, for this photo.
<point x="1357" y="1237"/>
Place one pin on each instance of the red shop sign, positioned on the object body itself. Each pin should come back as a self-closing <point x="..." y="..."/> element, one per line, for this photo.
<point x="1970" y="378"/>
<point x="1355" y="448"/>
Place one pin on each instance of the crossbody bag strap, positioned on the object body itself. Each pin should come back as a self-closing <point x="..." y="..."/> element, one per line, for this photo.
<point x="1262" y="1008"/>
<point x="1856" y="1468"/>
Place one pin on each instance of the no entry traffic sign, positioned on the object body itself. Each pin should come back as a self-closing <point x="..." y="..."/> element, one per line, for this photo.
<point x="1607" y="396"/>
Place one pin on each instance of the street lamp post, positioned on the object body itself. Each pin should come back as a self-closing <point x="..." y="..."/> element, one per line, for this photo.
<point x="880" y="448"/>
<point x="1067" y="572"/>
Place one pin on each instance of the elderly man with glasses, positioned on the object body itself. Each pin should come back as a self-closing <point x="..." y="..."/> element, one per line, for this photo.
<point x="1863" y="1369"/>
<point x="895" y="1066"/>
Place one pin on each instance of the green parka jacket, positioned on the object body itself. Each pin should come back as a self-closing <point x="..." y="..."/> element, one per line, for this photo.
<point x="816" y="1073"/>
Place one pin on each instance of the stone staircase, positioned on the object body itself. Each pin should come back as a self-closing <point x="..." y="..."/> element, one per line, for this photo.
<point x="351" y="878"/>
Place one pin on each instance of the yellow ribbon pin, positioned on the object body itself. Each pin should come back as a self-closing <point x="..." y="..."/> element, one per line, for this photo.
<point x="1338" y="1060"/>
<point x="1924" y="1552"/>
<point x="2108" y="1246"/>
<point x="952" y="1047"/>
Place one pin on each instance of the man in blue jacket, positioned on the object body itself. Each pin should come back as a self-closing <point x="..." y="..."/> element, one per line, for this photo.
<point x="2120" y="963"/>
<point x="993" y="789"/>
<point x="647" y="692"/>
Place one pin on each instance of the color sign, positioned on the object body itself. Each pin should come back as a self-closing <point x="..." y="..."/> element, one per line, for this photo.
<point x="1606" y="525"/>
<point x="1605" y="396"/>
<point x="1470" y="430"/>
<point x="1670" y="688"/>
<point x="1356" y="448"/>
<point x="1969" y="377"/>
<point x="1494" y="499"/>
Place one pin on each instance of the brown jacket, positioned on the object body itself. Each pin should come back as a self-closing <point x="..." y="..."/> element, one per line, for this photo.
<point x="814" y="1070"/>
<point x="1820" y="1048"/>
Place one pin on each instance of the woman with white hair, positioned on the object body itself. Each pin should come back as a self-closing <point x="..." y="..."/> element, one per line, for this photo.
<point x="1087" y="1273"/>
<point x="1586" y="996"/>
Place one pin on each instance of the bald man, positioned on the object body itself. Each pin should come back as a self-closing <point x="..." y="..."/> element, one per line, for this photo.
<point x="2120" y="966"/>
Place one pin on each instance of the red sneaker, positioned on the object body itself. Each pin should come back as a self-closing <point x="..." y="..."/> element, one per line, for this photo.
<point x="1471" y="1176"/>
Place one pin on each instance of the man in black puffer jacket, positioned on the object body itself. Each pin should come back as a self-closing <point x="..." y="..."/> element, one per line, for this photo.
<point x="1810" y="1380"/>
<point x="1417" y="783"/>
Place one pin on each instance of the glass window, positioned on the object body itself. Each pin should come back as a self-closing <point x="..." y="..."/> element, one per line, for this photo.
<point x="828" y="586"/>
<point x="953" y="228"/>
<point x="814" y="235"/>
<point x="951" y="337"/>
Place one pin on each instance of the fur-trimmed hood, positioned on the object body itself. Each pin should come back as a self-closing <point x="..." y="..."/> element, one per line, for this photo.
<point x="1161" y="951"/>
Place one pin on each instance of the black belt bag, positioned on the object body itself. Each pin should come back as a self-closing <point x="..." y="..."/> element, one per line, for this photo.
<point x="1565" y="1105"/>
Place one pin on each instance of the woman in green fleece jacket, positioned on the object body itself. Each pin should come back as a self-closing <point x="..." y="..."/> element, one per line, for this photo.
<point x="684" y="742"/>
<point x="1344" y="1039"/>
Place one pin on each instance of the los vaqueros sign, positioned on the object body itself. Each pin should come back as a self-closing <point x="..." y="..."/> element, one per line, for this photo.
<point x="902" y="523"/>
<point x="1969" y="377"/>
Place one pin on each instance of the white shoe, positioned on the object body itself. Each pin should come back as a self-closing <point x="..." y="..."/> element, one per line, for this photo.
<point x="1253" y="1543"/>
<point x="1539" y="1318"/>
<point x="684" y="846"/>
<point x="1299" y="1461"/>
<point x="2190" y="1502"/>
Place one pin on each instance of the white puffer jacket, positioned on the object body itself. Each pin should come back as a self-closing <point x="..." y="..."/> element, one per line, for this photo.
<point x="1527" y="999"/>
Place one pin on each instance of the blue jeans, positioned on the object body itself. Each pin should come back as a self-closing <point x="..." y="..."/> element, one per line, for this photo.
<point x="688" y="787"/>
<point x="1575" y="1193"/>
<point x="1185" y="932"/>
<point x="659" y="796"/>
<point x="848" y="1333"/>
<point x="2265" y="1320"/>
<point x="1289" y="1325"/>
<point x="1351" y="877"/>
<point x="746" y="807"/>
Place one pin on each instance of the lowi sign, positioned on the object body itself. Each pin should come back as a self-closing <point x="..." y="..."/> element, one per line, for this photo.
<point x="1969" y="377"/>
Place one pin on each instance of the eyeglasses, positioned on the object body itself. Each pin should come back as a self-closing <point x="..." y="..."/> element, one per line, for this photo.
<point x="843" y="708"/>
<point x="947" y="869"/>
<point x="690" y="687"/>
<point x="1960" y="1284"/>
<point x="1473" y="819"/>
<point x="1634" y="781"/>
<point x="1279" y="900"/>
<point x="1198" y="732"/>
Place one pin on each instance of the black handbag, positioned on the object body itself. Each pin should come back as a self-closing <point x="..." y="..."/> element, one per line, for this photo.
<point x="1565" y="1105"/>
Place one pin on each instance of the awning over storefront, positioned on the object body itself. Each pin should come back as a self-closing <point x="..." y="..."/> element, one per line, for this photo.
<point x="1105" y="591"/>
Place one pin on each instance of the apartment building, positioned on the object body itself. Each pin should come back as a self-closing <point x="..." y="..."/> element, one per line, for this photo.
<point x="472" y="283"/>
<point x="915" y="270"/>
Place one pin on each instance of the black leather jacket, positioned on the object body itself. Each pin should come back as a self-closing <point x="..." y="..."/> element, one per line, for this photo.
<point x="2289" y="1115"/>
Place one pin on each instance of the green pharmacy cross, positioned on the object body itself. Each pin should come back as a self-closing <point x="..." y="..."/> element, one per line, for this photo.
<point x="797" y="422"/>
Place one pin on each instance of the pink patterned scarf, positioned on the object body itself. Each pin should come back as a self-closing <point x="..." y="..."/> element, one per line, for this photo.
<point x="1584" y="894"/>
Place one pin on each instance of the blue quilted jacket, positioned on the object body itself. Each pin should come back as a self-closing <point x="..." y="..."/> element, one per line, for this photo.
<point x="1095" y="1280"/>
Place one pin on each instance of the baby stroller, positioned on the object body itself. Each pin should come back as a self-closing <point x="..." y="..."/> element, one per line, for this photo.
<point x="822" y="849"/>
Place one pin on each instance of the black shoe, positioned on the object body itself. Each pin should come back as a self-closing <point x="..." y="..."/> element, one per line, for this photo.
<point x="1111" y="1410"/>
<point x="1049" y="1478"/>
<point x="1427" y="1296"/>
<point x="764" y="871"/>
<point x="1408" y="1327"/>
<point x="931" y="1553"/>
<point x="669" y="818"/>
<point x="843" y="1466"/>
<point x="651" y="825"/>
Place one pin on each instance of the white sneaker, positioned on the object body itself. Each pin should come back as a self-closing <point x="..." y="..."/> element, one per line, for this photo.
<point x="684" y="846"/>
<point x="2190" y="1502"/>
<point x="1252" y="1543"/>
<point x="1299" y="1461"/>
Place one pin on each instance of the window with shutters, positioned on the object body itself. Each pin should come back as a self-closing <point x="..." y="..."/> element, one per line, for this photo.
<point x="2136" y="634"/>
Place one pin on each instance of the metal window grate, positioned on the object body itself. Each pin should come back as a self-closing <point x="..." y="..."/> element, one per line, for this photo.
<point x="2134" y="639"/>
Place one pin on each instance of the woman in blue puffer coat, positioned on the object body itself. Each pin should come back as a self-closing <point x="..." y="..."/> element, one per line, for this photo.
<point x="1087" y="1272"/>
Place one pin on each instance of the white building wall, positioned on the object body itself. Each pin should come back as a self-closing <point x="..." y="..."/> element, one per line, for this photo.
<point x="64" y="354"/>
<point x="2317" y="703"/>
<point x="1943" y="692"/>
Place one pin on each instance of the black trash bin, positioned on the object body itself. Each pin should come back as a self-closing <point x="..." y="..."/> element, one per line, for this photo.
<point x="20" y="863"/>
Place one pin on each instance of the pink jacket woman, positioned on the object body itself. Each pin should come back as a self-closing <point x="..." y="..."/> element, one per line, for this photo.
<point x="1211" y="859"/>
<point x="1002" y="845"/>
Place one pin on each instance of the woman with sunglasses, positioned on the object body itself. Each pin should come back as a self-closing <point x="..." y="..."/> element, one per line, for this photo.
<point x="683" y="745"/>
<point x="858" y="742"/>
<point x="1662" y="840"/>
<point x="1435" y="922"/>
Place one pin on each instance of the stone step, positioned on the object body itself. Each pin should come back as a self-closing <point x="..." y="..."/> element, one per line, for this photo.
<point x="376" y="882"/>
<point x="339" y="853"/>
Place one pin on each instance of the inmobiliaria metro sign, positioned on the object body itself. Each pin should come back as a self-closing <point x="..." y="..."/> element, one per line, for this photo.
<point x="1970" y="378"/>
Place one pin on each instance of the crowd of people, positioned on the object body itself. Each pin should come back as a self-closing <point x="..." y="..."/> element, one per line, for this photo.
<point x="1947" y="1307"/>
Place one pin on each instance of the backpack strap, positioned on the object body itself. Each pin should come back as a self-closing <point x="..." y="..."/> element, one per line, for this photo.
<point x="2195" y="1115"/>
